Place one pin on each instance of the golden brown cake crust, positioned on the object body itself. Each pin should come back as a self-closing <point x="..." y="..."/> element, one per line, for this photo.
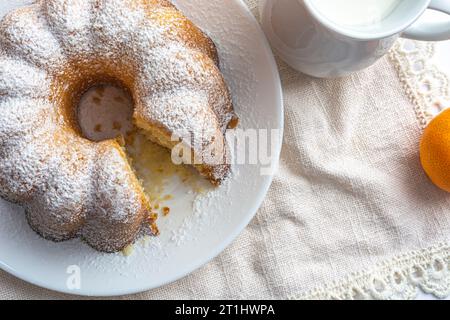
<point x="51" y="53"/>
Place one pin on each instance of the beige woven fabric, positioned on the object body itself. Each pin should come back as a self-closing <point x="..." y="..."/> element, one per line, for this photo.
<point x="349" y="196"/>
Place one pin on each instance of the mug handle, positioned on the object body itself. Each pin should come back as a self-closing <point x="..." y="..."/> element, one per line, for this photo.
<point x="431" y="31"/>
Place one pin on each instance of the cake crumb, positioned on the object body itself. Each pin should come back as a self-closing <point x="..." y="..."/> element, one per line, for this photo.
<point x="96" y="100"/>
<point x="98" y="128"/>
<point x="165" y="211"/>
<point x="152" y="217"/>
<point x="168" y="197"/>
<point x="128" y="250"/>
<point x="100" y="90"/>
<point x="117" y="126"/>
<point x="154" y="229"/>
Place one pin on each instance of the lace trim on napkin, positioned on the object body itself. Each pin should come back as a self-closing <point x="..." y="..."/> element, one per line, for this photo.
<point x="400" y="278"/>
<point x="427" y="269"/>
<point x="425" y="85"/>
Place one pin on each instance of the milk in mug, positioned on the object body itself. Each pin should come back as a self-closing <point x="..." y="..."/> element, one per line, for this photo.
<point x="355" y="13"/>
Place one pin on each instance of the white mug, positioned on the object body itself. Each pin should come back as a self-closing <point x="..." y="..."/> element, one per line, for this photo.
<point x="314" y="45"/>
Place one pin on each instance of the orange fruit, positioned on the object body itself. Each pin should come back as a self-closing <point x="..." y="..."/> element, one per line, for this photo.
<point x="435" y="150"/>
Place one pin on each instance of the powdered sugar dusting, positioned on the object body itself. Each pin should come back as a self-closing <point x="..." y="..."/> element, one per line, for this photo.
<point x="18" y="78"/>
<point x="25" y="34"/>
<point x="159" y="260"/>
<point x="69" y="185"/>
<point x="204" y="212"/>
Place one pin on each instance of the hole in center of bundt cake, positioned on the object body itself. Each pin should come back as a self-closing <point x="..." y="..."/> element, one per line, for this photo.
<point x="105" y="112"/>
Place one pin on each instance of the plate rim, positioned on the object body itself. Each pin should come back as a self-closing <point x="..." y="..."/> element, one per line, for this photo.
<point x="227" y="241"/>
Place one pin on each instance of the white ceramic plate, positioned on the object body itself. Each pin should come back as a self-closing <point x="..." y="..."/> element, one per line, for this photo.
<point x="193" y="234"/>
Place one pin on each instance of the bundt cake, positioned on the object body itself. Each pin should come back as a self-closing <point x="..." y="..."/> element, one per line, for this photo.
<point x="51" y="52"/>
